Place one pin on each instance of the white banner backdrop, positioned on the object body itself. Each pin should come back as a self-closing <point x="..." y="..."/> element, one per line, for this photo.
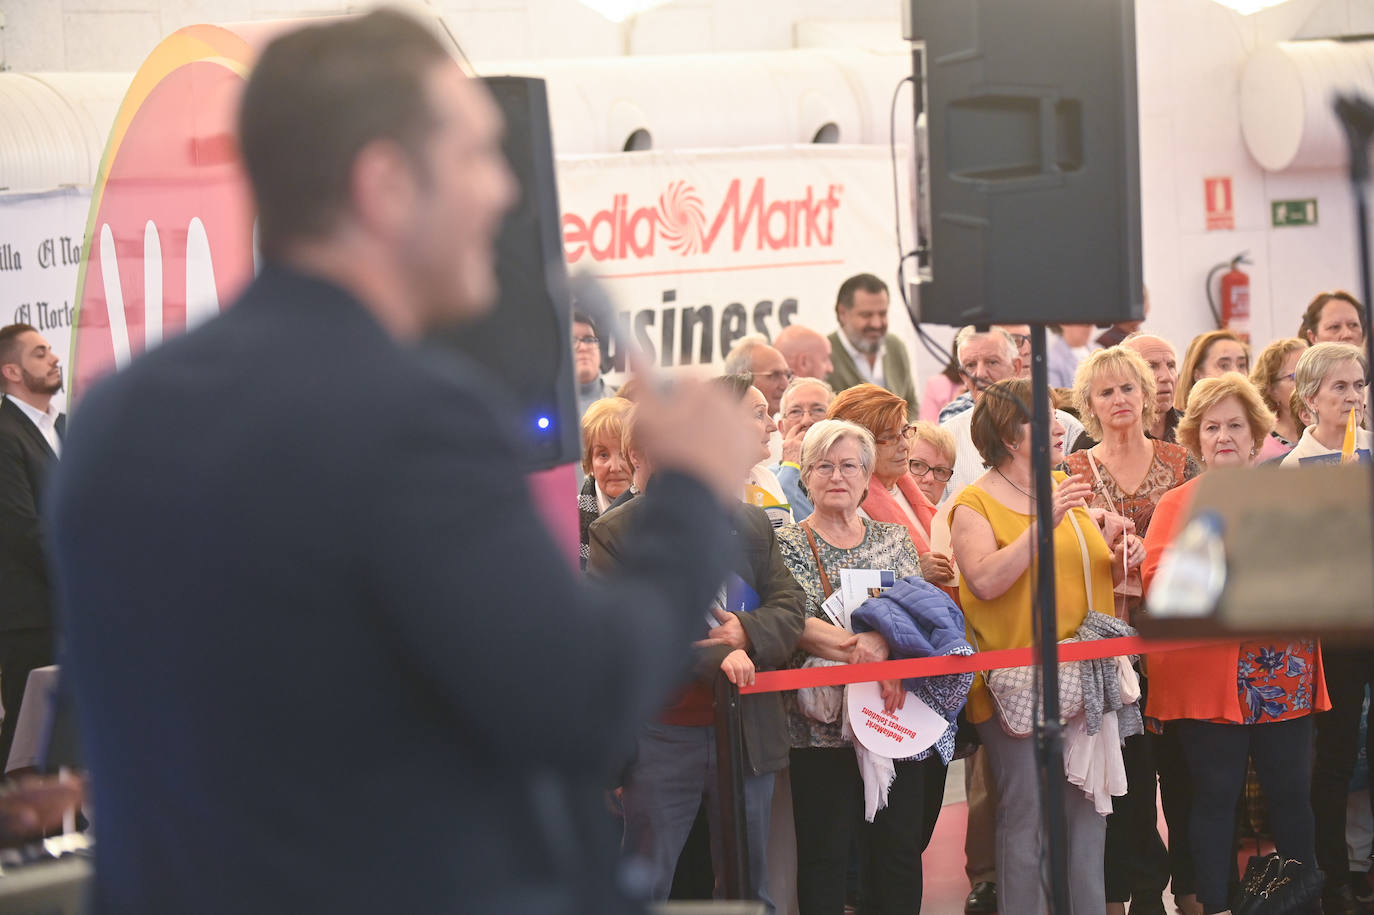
<point x="700" y="248"/>
<point x="697" y="249"/>
<point x="40" y="255"/>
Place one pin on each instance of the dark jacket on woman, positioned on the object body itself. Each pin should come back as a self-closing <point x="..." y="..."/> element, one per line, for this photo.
<point x="774" y="627"/>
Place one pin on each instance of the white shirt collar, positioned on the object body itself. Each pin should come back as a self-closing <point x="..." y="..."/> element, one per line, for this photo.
<point x="872" y="374"/>
<point x="45" y="421"/>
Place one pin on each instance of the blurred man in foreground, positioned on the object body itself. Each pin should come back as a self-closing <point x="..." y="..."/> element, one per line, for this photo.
<point x="325" y="656"/>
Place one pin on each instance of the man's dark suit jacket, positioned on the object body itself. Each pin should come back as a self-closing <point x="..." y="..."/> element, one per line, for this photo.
<point x="25" y="461"/>
<point x="773" y="628"/>
<point x="326" y="657"/>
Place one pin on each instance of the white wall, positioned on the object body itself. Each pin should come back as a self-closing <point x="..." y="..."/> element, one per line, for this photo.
<point x="1190" y="54"/>
<point x="117" y="34"/>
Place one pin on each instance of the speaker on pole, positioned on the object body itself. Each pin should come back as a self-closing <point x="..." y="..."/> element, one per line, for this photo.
<point x="1033" y="161"/>
<point x="526" y="340"/>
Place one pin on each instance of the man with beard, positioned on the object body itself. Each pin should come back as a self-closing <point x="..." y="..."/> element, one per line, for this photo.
<point x="861" y="349"/>
<point x="31" y="431"/>
<point x="325" y="655"/>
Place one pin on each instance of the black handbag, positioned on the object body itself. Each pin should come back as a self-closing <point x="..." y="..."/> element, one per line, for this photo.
<point x="1274" y="886"/>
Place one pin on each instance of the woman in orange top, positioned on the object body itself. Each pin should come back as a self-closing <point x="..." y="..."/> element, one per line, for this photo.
<point x="1238" y="699"/>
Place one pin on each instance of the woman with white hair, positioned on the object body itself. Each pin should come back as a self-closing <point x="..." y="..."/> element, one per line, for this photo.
<point x="1330" y="380"/>
<point x="837" y="463"/>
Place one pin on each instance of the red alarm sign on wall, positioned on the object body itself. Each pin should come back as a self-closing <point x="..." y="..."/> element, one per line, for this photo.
<point x="1220" y="203"/>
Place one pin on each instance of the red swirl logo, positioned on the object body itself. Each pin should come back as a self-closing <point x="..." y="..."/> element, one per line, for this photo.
<point x="681" y="218"/>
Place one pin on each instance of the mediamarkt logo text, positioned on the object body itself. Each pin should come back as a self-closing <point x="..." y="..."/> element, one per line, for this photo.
<point x="680" y="222"/>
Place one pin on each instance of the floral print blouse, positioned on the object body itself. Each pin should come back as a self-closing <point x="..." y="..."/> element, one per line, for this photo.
<point x="1274" y="680"/>
<point x="1170" y="467"/>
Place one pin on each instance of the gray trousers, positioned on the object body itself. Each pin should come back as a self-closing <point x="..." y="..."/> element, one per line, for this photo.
<point x="674" y="769"/>
<point x="1021" y="877"/>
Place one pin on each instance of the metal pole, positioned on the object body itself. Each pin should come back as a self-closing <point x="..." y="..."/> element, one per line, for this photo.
<point x="1357" y="116"/>
<point x="734" y="838"/>
<point x="1050" y="747"/>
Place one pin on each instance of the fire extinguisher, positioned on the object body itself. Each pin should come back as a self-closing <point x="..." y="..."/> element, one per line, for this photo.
<point x="1234" y="289"/>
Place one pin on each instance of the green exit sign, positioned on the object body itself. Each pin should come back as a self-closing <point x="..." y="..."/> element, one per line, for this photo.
<point x="1294" y="212"/>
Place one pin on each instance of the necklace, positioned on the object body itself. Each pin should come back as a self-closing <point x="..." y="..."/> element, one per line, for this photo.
<point x="1013" y="485"/>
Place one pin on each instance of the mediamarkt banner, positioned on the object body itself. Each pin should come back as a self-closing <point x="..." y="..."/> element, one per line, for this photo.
<point x="40" y="255"/>
<point x="700" y="248"/>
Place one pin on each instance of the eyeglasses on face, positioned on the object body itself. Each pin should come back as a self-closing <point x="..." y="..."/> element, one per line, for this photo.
<point x="796" y="413"/>
<point x="848" y="469"/>
<point x="891" y="438"/>
<point x="921" y="468"/>
<point x="1020" y="339"/>
<point x="586" y="341"/>
<point x="775" y="375"/>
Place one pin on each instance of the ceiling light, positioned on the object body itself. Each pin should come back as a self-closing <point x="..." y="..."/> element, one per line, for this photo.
<point x="1246" y="7"/>
<point x="620" y="10"/>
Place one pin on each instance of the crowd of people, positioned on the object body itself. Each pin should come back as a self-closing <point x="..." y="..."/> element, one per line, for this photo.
<point x="860" y="475"/>
<point x="250" y="596"/>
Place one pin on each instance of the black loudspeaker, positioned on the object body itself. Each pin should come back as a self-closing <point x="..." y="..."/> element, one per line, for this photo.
<point x="526" y="340"/>
<point x="1033" y="162"/>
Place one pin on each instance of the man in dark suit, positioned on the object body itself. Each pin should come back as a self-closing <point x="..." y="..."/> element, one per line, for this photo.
<point x="862" y="350"/>
<point x="31" y="430"/>
<point x="326" y="657"/>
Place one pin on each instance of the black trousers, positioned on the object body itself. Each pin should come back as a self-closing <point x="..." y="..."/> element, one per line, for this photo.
<point x="1176" y="797"/>
<point x="1338" y="733"/>
<point x="21" y="651"/>
<point x="1216" y="761"/>
<point x="1136" y="863"/>
<point x="828" y="811"/>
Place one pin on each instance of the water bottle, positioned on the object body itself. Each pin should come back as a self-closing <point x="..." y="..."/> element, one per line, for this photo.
<point x="1192" y="571"/>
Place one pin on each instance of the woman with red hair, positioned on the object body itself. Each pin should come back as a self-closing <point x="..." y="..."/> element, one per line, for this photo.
<point x="892" y="494"/>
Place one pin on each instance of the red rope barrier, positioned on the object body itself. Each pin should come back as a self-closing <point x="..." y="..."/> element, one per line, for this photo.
<point x="772" y="681"/>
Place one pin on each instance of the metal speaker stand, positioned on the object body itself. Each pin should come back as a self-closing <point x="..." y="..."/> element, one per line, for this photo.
<point x="1045" y="635"/>
<point x="1357" y="116"/>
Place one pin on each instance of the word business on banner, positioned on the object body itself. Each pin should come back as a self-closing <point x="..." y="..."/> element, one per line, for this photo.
<point x="700" y="248"/>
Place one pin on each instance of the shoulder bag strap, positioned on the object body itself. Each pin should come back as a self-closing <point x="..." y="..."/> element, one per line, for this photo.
<point x="1087" y="565"/>
<point x="815" y="551"/>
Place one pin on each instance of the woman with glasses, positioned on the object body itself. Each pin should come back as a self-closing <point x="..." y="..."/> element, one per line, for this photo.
<point x="932" y="459"/>
<point x="838" y="460"/>
<point x="894" y="495"/>
<point x="1273" y="377"/>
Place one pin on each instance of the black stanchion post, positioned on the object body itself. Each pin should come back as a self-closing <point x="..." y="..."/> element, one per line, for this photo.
<point x="730" y="791"/>
<point x="1357" y="116"/>
<point x="1050" y="749"/>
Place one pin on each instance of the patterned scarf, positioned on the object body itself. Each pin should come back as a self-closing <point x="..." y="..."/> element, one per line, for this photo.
<point x="588" y="510"/>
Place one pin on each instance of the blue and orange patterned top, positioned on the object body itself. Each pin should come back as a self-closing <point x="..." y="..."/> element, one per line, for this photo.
<point x="1274" y="680"/>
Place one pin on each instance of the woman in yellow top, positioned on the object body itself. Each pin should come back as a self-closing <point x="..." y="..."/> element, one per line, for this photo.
<point x="994" y="535"/>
